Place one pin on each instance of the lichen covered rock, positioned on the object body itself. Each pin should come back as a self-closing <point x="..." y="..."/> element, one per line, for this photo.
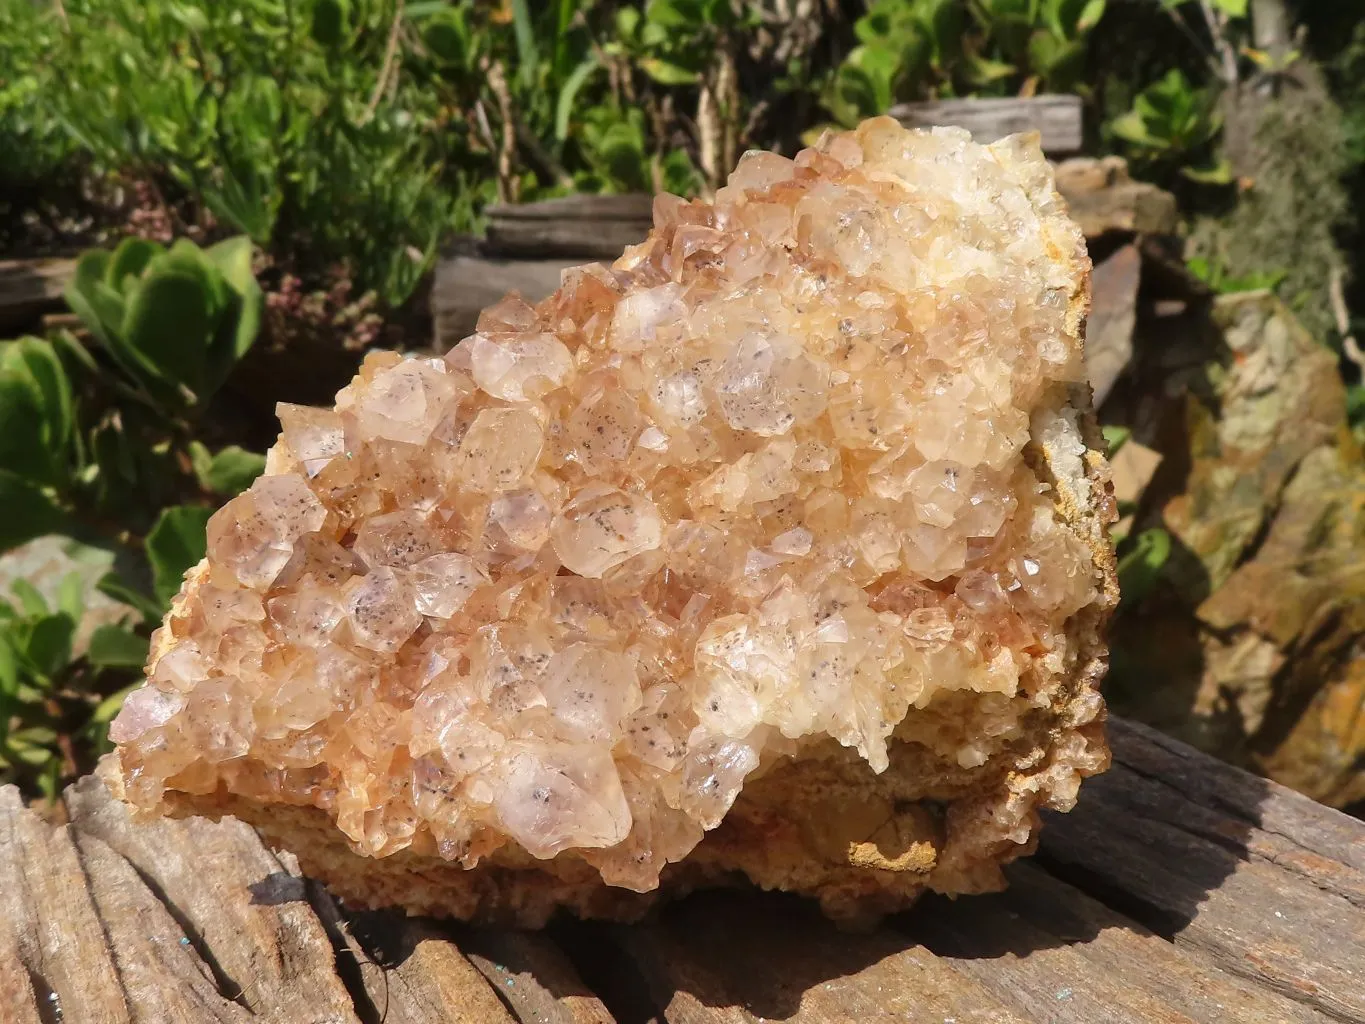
<point x="784" y="529"/>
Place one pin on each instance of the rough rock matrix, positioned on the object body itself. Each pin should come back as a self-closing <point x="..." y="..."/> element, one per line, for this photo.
<point x="778" y="550"/>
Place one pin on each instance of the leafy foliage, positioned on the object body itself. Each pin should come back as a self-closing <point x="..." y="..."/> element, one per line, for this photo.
<point x="920" y="49"/>
<point x="1215" y="274"/>
<point x="175" y="321"/>
<point x="93" y="443"/>
<point x="1172" y="126"/>
<point x="45" y="686"/>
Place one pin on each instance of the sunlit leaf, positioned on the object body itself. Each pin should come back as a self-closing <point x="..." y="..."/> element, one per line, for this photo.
<point x="1140" y="568"/>
<point x="1115" y="437"/>
<point x="116" y="647"/>
<point x="568" y="92"/>
<point x="226" y="472"/>
<point x="112" y="585"/>
<point x="174" y="544"/>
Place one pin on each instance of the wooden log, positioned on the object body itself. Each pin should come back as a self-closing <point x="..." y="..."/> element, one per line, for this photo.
<point x="1057" y="118"/>
<point x="1178" y="890"/>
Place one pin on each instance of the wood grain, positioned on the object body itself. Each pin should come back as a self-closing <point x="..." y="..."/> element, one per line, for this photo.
<point x="1057" y="118"/>
<point x="1260" y="881"/>
<point x="31" y="287"/>
<point x="583" y="227"/>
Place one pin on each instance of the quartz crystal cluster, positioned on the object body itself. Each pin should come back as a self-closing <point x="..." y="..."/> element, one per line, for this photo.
<point x="801" y="479"/>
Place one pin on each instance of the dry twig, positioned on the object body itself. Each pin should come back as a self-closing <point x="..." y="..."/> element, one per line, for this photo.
<point x="385" y="69"/>
<point x="1337" y="297"/>
<point x="497" y="81"/>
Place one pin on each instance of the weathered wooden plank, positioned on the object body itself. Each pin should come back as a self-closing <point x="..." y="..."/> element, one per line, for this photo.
<point x="464" y="285"/>
<point x="1056" y="117"/>
<point x="534" y="977"/>
<point x="31" y="287"/>
<point x="1064" y="957"/>
<point x="49" y="923"/>
<point x="236" y="902"/>
<point x="720" y="958"/>
<point x="166" y="978"/>
<point x="1252" y="883"/>
<point x="585" y="227"/>
<point x="592" y="208"/>
<point x="1285" y="822"/>
<point x="18" y="1001"/>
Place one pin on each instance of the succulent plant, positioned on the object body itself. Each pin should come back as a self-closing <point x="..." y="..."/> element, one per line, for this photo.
<point x="175" y="320"/>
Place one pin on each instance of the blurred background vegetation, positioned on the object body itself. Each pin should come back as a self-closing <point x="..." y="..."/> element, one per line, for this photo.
<point x="268" y="174"/>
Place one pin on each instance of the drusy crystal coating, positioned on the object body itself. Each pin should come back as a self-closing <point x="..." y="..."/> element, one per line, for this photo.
<point x="802" y="473"/>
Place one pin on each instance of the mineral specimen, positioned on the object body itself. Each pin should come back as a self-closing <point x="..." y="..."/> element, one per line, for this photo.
<point x="778" y="550"/>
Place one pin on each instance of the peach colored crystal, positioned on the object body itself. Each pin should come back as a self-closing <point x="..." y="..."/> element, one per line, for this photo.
<point x="766" y="481"/>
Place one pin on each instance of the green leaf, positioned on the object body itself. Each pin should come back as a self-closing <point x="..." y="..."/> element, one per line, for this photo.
<point x="9" y="676"/>
<point x="425" y="9"/>
<point x="241" y="320"/>
<point x="1115" y="437"/>
<point x="668" y="15"/>
<point x="447" y="36"/>
<point x="568" y="92"/>
<point x="175" y="544"/>
<point x="627" y="22"/>
<point x="31" y="600"/>
<point x="90" y="298"/>
<point x="1091" y="14"/>
<point x="1232" y="8"/>
<point x="666" y="73"/>
<point x="1132" y="128"/>
<point x="1050" y="55"/>
<point x="36" y="362"/>
<point x="169" y="325"/>
<point x="982" y="71"/>
<point x="227" y="472"/>
<point x="23" y="429"/>
<point x="232" y="257"/>
<point x="49" y="643"/>
<point x="1219" y="173"/>
<point x="112" y="585"/>
<point x="528" y="56"/>
<point x="129" y="260"/>
<point x="1140" y="568"/>
<point x="330" y="19"/>
<point x="28" y="512"/>
<point x="64" y="341"/>
<point x="29" y="746"/>
<point x="116" y="647"/>
<point x="71" y="596"/>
